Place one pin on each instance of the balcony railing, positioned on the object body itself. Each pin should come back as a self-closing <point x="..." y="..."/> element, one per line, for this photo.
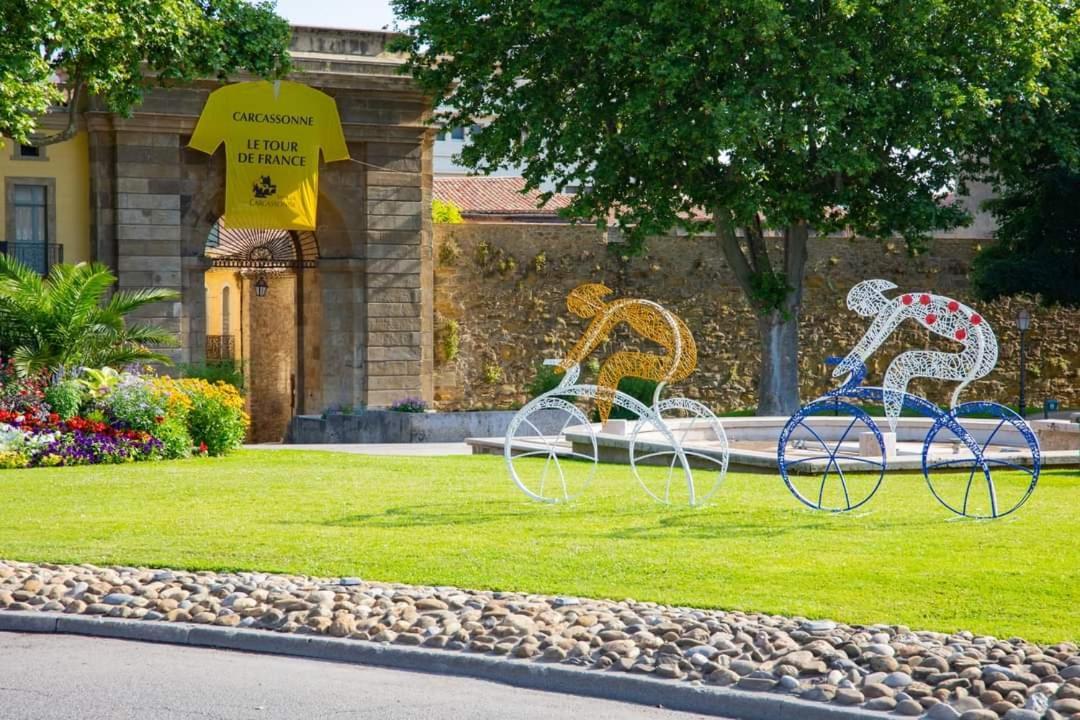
<point x="39" y="256"/>
<point x="220" y="347"/>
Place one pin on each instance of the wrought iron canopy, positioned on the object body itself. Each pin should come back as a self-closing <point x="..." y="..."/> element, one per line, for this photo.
<point x="261" y="248"/>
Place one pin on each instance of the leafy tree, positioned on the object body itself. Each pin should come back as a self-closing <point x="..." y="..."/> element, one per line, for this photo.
<point x="1037" y="207"/>
<point x="64" y="321"/>
<point x="808" y="116"/>
<point x="444" y="211"/>
<point x="108" y="48"/>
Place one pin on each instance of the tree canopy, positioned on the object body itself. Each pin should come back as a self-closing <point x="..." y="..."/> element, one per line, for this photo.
<point x="798" y="116"/>
<point x="1037" y="247"/>
<point x="58" y="52"/>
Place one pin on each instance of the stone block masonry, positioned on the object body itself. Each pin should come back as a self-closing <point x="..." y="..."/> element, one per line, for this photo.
<point x="505" y="286"/>
<point x="355" y="329"/>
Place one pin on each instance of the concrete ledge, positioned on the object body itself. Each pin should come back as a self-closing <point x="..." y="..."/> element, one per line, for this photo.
<point x="387" y="426"/>
<point x="533" y="675"/>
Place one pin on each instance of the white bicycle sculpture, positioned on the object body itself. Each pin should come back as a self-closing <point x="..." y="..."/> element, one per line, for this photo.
<point x="676" y="441"/>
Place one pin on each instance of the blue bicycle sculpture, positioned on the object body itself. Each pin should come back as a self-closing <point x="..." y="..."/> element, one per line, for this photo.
<point x="832" y="455"/>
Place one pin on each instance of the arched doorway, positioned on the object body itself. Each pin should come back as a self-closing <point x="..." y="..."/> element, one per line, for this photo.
<point x="256" y="288"/>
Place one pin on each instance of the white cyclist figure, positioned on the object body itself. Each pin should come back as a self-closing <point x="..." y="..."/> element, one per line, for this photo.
<point x="938" y="314"/>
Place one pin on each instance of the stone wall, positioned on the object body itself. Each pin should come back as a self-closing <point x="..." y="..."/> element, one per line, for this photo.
<point x="504" y="285"/>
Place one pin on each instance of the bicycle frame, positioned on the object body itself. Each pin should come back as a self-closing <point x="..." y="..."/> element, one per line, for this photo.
<point x="943" y="419"/>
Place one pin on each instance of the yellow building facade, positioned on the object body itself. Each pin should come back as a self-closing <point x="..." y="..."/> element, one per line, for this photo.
<point x="45" y="213"/>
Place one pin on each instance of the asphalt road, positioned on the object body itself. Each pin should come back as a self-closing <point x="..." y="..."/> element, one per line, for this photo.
<point x="47" y="677"/>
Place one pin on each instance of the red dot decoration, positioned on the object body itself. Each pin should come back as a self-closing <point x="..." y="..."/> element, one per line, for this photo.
<point x="924" y="299"/>
<point x="907" y="299"/>
<point x="953" y="306"/>
<point x="976" y="319"/>
<point x="961" y="334"/>
<point x="931" y="318"/>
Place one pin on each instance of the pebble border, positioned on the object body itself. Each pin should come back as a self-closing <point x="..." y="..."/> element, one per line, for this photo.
<point x="745" y="665"/>
<point x="621" y="687"/>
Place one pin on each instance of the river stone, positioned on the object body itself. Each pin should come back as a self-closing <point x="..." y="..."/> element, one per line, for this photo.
<point x="980" y="714"/>
<point x="1066" y="706"/>
<point x="909" y="708"/>
<point x="756" y="683"/>
<point x="1021" y="714"/>
<point x="880" y="703"/>
<point x="942" y="711"/>
<point x="897" y="680"/>
<point x="848" y="696"/>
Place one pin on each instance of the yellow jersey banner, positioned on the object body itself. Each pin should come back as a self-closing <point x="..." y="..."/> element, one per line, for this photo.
<point x="273" y="132"/>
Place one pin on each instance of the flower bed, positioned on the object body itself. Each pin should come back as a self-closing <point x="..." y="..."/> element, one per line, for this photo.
<point x="104" y="416"/>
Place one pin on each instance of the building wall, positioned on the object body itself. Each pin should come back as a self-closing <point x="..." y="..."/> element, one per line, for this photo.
<point x="68" y="165"/>
<point x="364" y="334"/>
<point x="505" y="287"/>
<point x="217" y="279"/>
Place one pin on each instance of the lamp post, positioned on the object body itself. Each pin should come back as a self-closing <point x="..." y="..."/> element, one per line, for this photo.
<point x="262" y="287"/>
<point x="1023" y="322"/>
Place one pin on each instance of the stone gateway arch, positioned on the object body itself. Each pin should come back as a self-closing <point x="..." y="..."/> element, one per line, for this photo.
<point x="346" y="308"/>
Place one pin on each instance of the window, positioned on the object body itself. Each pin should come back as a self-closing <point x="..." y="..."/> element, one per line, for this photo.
<point x="225" y="292"/>
<point x="27" y="152"/>
<point x="31" y="241"/>
<point x="441" y="136"/>
<point x="458" y="133"/>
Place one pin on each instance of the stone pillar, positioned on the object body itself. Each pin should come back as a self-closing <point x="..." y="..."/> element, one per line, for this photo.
<point x="271" y="360"/>
<point x="398" y="252"/>
<point x="101" y="142"/>
<point x="341" y="369"/>
<point x="147" y="223"/>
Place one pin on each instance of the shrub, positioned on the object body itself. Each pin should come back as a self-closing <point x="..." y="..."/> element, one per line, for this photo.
<point x="135" y="404"/>
<point x="226" y="371"/>
<point x="21" y="394"/>
<point x="216" y="418"/>
<point x="443" y="211"/>
<point x="638" y="388"/>
<point x="72" y="318"/>
<point x="451" y="340"/>
<point x="449" y="252"/>
<point x="410" y="405"/>
<point x="544" y="380"/>
<point x="65" y="398"/>
<point x="492" y="373"/>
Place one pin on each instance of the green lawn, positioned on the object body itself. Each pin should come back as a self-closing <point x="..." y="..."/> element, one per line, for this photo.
<point x="460" y="521"/>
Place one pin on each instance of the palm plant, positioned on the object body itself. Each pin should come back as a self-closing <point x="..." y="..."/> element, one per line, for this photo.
<point x="64" y="321"/>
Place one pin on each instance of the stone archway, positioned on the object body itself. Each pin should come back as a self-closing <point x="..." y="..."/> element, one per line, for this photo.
<point x="269" y="268"/>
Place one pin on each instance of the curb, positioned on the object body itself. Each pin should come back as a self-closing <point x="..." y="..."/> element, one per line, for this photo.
<point x="622" y="687"/>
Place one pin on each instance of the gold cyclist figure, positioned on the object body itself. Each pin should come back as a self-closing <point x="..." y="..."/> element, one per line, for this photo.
<point x="649" y="320"/>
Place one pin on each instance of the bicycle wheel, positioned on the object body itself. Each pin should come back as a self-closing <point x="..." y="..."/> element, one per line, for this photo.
<point x="541" y="461"/>
<point x="819" y="456"/>
<point x="688" y="470"/>
<point x="981" y="460"/>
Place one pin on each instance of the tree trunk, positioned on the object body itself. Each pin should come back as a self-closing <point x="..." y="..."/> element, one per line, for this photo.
<point x="778" y="388"/>
<point x="778" y="327"/>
